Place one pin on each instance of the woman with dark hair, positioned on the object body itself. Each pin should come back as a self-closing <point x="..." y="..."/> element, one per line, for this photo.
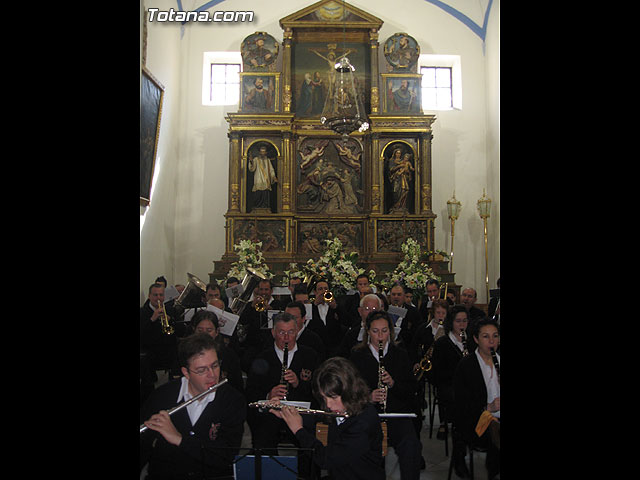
<point x="399" y="391"/>
<point x="476" y="385"/>
<point x="354" y="443"/>
<point x="448" y="350"/>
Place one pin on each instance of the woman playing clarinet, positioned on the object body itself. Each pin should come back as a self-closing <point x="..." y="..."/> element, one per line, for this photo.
<point x="476" y="385"/>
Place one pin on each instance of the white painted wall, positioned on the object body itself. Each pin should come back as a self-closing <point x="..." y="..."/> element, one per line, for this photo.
<point x="183" y="229"/>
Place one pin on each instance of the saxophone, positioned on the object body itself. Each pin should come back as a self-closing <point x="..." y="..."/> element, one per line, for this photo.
<point x="425" y="362"/>
<point x="285" y="361"/>
<point x="381" y="370"/>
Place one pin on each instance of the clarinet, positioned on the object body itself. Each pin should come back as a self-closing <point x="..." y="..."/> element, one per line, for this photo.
<point x="285" y="361"/>
<point x="381" y="370"/>
<point x="496" y="364"/>
<point x="463" y="336"/>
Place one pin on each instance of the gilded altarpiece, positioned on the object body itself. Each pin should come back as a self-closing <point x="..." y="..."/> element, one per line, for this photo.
<point x="293" y="183"/>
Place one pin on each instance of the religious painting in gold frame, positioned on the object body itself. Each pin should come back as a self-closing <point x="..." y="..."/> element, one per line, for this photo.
<point x="259" y="92"/>
<point x="402" y="93"/>
<point x="151" y="98"/>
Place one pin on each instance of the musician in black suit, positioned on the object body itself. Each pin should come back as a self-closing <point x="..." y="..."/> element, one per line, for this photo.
<point x="263" y="380"/>
<point x="448" y="350"/>
<point x="354" y="444"/>
<point x="351" y="303"/>
<point x="401" y="388"/>
<point x="411" y="320"/>
<point x="193" y="442"/>
<point x="254" y="323"/>
<point x="325" y="320"/>
<point x="161" y="349"/>
<point x="305" y="337"/>
<point x="476" y="385"/>
<point x="369" y="303"/>
<point x="205" y="321"/>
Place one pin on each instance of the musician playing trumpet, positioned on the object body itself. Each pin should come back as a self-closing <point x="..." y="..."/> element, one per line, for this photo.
<point x="400" y="391"/>
<point x="324" y="318"/>
<point x="186" y="443"/>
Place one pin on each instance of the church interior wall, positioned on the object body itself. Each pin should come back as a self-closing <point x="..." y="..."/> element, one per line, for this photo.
<point x="183" y="229"/>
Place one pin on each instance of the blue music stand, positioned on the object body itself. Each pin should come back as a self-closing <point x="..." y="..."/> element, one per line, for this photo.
<point x="244" y="467"/>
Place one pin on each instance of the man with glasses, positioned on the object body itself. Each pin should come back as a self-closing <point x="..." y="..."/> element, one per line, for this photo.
<point x="194" y="440"/>
<point x="263" y="382"/>
<point x="368" y="303"/>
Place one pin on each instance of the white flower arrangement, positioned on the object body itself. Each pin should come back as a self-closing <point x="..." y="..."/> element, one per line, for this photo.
<point x="337" y="267"/>
<point x="411" y="272"/>
<point x="249" y="255"/>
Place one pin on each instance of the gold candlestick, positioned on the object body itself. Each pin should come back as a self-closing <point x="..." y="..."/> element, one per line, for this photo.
<point x="484" y="209"/>
<point x="453" y="209"/>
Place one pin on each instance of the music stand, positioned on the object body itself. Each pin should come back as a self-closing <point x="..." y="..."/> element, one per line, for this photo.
<point x="260" y="466"/>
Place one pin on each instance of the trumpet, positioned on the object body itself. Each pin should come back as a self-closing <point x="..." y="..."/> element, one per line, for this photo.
<point x="144" y="428"/>
<point x="261" y="306"/>
<point x="269" y="405"/>
<point x="164" y="320"/>
<point x="328" y="296"/>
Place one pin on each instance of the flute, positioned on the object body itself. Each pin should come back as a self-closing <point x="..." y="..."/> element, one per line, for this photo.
<point x="143" y="427"/>
<point x="268" y="405"/>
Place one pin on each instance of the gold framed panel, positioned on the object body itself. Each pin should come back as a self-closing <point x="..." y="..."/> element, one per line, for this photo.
<point x="396" y="100"/>
<point x="253" y="102"/>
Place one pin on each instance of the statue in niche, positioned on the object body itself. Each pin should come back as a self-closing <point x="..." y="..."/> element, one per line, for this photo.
<point x="262" y="196"/>
<point x="400" y="175"/>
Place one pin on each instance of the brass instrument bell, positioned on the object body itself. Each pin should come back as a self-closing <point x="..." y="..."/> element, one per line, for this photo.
<point x="193" y="295"/>
<point x="251" y="280"/>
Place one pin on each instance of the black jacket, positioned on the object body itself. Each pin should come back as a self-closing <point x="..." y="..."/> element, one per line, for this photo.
<point x="402" y="396"/>
<point x="266" y="370"/>
<point x="470" y="396"/>
<point x="221" y="424"/>
<point x="354" y="448"/>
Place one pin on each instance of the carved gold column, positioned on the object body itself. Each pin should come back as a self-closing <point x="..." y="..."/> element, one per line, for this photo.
<point x="375" y="173"/>
<point x="286" y="173"/>
<point x="375" y="96"/>
<point x="286" y="70"/>
<point x="425" y="180"/>
<point x="234" y="172"/>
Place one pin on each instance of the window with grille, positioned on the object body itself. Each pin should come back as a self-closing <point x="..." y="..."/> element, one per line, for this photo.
<point x="436" y="88"/>
<point x="225" y="83"/>
<point x="221" y="78"/>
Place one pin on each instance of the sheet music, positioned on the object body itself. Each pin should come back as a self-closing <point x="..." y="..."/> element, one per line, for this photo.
<point x="235" y="291"/>
<point x="227" y="321"/>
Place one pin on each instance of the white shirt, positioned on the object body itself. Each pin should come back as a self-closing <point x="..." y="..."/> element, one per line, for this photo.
<point x="280" y="354"/>
<point x="490" y="380"/>
<point x="323" y="308"/>
<point x="374" y="350"/>
<point x="455" y="341"/>
<point x="194" y="408"/>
